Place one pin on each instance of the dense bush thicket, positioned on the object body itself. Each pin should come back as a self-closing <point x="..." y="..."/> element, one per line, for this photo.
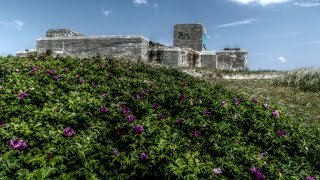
<point x="68" y="118"/>
<point x="305" y="78"/>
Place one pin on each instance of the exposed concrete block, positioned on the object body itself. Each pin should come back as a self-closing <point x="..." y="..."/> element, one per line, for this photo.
<point x="129" y="47"/>
<point x="26" y="53"/>
<point x="190" y="36"/>
<point x="174" y="56"/>
<point x="232" y="59"/>
<point x="208" y="59"/>
<point x="62" y="33"/>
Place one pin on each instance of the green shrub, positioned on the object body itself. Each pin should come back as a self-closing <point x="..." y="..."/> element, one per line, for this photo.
<point x="106" y="119"/>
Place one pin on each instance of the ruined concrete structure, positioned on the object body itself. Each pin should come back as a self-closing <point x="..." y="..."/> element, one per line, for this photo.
<point x="62" y="33"/>
<point x="189" y="48"/>
<point x="190" y="36"/>
<point x="232" y="58"/>
<point x="130" y="47"/>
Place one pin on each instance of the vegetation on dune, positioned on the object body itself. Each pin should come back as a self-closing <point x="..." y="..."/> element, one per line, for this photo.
<point x="67" y="118"/>
<point x="302" y="106"/>
<point x="305" y="78"/>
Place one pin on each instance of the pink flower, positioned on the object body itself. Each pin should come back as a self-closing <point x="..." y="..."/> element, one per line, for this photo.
<point x="180" y="121"/>
<point x="52" y="71"/>
<point x="155" y="106"/>
<point x="56" y="77"/>
<point x="130" y="118"/>
<point x="275" y="113"/>
<point x="182" y="97"/>
<point x="266" y="105"/>
<point x="217" y="171"/>
<point x="206" y="112"/>
<point x="2" y="123"/>
<point x="93" y="84"/>
<point x="258" y="174"/>
<point x="18" y="144"/>
<point x="138" y="129"/>
<point x="311" y="178"/>
<point x="255" y="100"/>
<point x="196" y="133"/>
<point x="81" y="81"/>
<point x="148" y="90"/>
<point x="22" y="95"/>
<point x="119" y="104"/>
<point x="143" y="157"/>
<point x="282" y="133"/>
<point x="35" y="69"/>
<point x="235" y="101"/>
<point x="68" y="132"/>
<point x="126" y="110"/>
<point x="224" y="103"/>
<point x="160" y="116"/>
<point x="104" y="109"/>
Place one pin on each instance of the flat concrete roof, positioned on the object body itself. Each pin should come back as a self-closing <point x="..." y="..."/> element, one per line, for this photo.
<point x="95" y="37"/>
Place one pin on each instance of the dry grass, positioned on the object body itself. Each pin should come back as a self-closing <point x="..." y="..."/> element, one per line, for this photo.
<point x="307" y="79"/>
<point x="302" y="106"/>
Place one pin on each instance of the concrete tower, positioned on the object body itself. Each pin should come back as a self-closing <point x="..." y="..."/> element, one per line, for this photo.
<point x="190" y="35"/>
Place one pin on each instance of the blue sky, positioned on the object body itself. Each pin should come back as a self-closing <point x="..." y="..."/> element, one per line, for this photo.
<point x="278" y="34"/>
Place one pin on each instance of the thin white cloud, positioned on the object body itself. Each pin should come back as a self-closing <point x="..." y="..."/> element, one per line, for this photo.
<point x="307" y="43"/>
<point x="285" y="35"/>
<point x="107" y="12"/>
<point x="307" y="4"/>
<point x="214" y="36"/>
<point x="281" y="59"/>
<point x="243" y="1"/>
<point x="18" y="24"/>
<point x="260" y="2"/>
<point x="237" y="23"/>
<point x="140" y="2"/>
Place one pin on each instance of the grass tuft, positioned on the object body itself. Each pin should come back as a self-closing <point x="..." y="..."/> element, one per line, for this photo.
<point x="307" y="79"/>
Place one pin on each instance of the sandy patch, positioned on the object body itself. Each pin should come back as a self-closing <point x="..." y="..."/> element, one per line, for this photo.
<point x="208" y="74"/>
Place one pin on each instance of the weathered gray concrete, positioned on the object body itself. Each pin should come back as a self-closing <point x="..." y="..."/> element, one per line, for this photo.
<point x="190" y="36"/>
<point x="188" y="51"/>
<point x="230" y="59"/>
<point x="174" y="56"/>
<point x="62" y="33"/>
<point x="208" y="59"/>
<point x="26" y="53"/>
<point x="129" y="47"/>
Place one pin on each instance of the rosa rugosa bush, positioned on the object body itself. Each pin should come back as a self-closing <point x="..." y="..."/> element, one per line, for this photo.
<point x="66" y="118"/>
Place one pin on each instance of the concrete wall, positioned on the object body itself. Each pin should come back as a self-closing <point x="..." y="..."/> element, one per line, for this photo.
<point x="26" y="53"/>
<point x="232" y="60"/>
<point x="62" y="33"/>
<point x="175" y="57"/>
<point x="129" y="47"/>
<point x="189" y="35"/>
<point x="188" y="50"/>
<point x="208" y="59"/>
